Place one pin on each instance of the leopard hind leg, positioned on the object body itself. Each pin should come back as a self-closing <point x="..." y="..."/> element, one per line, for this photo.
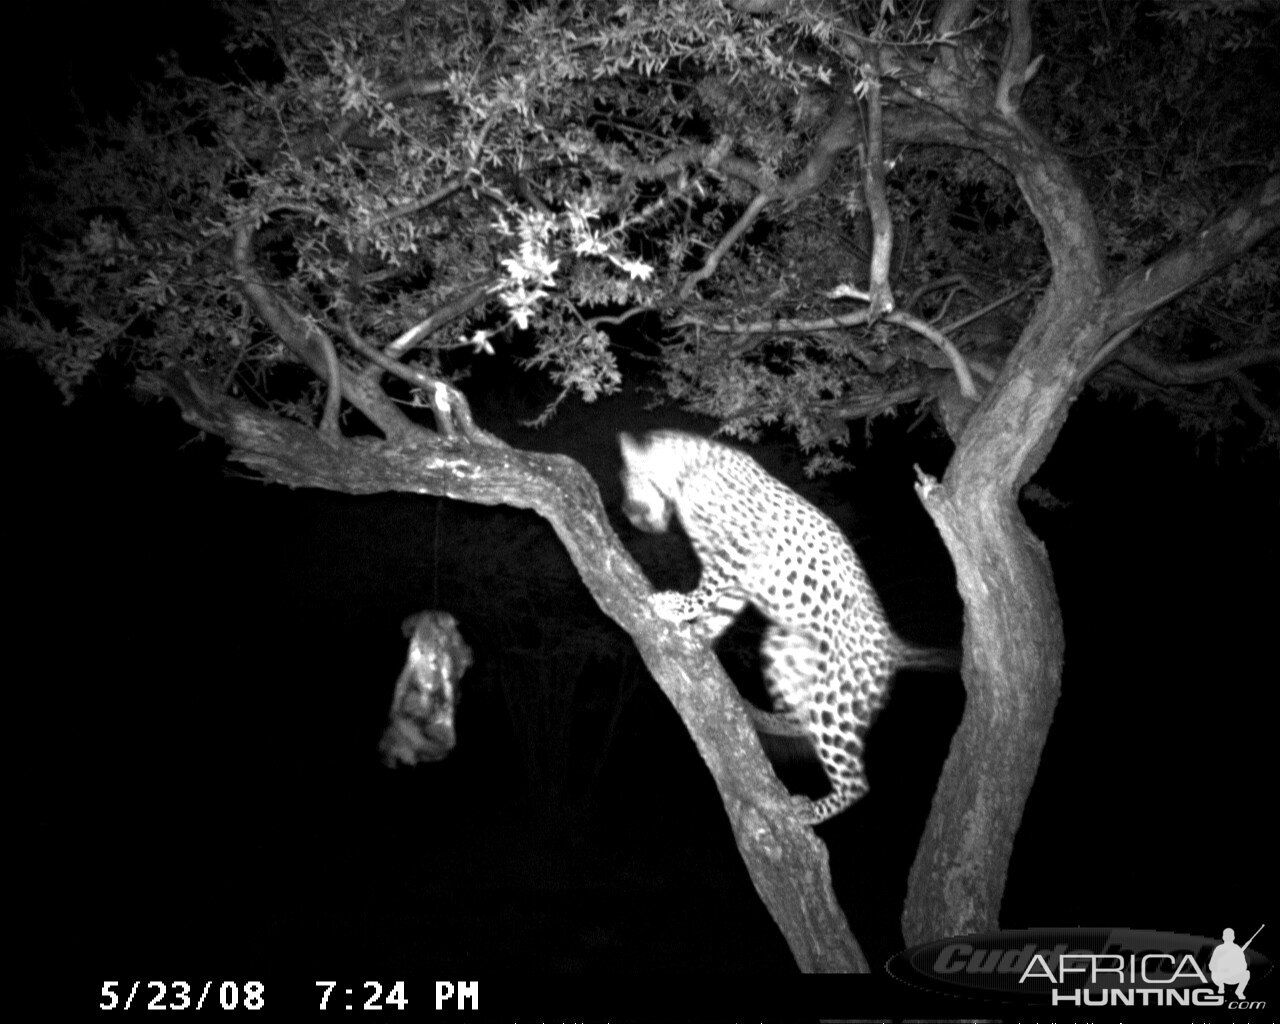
<point x="791" y="664"/>
<point x="795" y="671"/>
<point x="839" y="721"/>
<point x="834" y="701"/>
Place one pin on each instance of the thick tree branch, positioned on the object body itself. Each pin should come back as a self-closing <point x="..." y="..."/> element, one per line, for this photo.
<point x="786" y="861"/>
<point x="880" y="299"/>
<point x="1145" y="290"/>
<point x="1199" y="371"/>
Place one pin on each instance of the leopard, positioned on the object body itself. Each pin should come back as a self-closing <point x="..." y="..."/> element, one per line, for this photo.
<point x="828" y="654"/>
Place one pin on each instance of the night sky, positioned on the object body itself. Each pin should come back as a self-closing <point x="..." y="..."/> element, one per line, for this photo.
<point x="204" y="665"/>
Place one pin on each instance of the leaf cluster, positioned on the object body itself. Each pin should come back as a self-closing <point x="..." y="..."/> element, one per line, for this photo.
<point x="521" y="179"/>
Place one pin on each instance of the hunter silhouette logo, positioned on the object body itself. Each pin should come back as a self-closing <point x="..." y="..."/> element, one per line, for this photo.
<point x="1227" y="966"/>
<point x="1089" y="967"/>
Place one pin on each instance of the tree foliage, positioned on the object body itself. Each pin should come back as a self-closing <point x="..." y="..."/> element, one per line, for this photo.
<point x="517" y="180"/>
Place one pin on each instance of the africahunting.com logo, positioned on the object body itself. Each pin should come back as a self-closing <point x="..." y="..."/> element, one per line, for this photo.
<point x="1080" y="967"/>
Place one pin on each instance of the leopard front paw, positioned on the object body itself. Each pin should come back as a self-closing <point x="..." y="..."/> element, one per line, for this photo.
<point x="806" y="809"/>
<point x="672" y="606"/>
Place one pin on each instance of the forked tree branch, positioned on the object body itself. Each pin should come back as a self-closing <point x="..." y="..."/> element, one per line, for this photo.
<point x="303" y="341"/>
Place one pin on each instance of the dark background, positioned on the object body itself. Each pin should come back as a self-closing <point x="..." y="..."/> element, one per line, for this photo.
<point x="203" y="665"/>
<point x="211" y="659"/>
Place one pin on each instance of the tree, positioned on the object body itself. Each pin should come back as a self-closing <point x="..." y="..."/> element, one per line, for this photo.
<point x="810" y="213"/>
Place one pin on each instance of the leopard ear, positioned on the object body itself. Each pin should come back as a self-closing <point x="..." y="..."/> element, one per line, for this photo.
<point x="630" y="446"/>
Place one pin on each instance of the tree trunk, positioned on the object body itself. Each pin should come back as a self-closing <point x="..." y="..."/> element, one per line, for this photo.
<point x="1013" y="627"/>
<point x="1013" y="672"/>
<point x="1013" y="630"/>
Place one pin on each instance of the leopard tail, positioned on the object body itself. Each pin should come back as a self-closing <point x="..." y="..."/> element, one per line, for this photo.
<point x="926" y="659"/>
